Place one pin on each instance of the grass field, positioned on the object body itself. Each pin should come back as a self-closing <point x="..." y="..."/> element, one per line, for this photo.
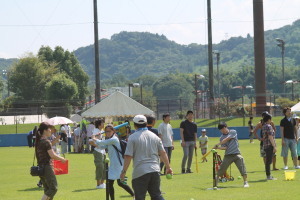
<point x="79" y="184"/>
<point x="233" y="122"/>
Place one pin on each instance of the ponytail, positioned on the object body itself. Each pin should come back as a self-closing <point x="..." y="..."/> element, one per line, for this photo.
<point x="43" y="126"/>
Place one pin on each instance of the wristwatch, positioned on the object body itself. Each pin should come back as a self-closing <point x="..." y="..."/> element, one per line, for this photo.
<point x="123" y="171"/>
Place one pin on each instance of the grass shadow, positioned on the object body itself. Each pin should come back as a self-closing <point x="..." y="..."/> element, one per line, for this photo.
<point x="31" y="189"/>
<point x="84" y="190"/>
<point x="126" y="196"/>
<point x="257" y="181"/>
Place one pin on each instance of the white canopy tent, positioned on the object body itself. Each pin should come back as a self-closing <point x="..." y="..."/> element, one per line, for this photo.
<point x="296" y="108"/>
<point x="117" y="105"/>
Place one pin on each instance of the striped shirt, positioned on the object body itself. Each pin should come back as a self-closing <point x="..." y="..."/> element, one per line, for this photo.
<point x="233" y="144"/>
<point x="267" y="130"/>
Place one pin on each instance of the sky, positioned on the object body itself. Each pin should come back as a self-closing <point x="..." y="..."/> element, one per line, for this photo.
<point x="26" y="25"/>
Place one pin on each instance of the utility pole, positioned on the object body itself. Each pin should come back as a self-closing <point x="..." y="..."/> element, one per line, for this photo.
<point x="96" y="46"/>
<point x="259" y="56"/>
<point x="210" y="61"/>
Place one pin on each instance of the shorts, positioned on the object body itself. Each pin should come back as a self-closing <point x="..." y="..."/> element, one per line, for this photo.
<point x="289" y="144"/>
<point x="203" y="151"/>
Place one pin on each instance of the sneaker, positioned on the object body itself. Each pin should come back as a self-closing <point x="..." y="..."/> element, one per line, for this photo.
<point x="297" y="167"/>
<point x="189" y="171"/>
<point x="285" y="167"/>
<point x="275" y="169"/>
<point x="102" y="186"/>
<point x="271" y="178"/>
<point x="183" y="171"/>
<point x="246" y="184"/>
<point x="39" y="185"/>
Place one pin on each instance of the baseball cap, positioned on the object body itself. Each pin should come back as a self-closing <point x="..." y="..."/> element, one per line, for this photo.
<point x="140" y="119"/>
<point x="203" y="130"/>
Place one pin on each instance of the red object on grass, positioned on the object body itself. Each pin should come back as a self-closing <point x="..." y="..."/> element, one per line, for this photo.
<point x="60" y="168"/>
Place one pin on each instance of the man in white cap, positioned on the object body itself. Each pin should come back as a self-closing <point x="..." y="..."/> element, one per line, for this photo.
<point x="145" y="148"/>
<point x="203" y="140"/>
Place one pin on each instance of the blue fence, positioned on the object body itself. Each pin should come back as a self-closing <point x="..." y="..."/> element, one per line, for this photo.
<point x="242" y="132"/>
<point x="7" y="140"/>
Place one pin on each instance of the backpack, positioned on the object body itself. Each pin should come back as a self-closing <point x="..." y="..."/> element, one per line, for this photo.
<point x="123" y="145"/>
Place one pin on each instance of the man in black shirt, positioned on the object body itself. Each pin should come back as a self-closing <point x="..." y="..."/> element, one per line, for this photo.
<point x="288" y="130"/>
<point x="188" y="134"/>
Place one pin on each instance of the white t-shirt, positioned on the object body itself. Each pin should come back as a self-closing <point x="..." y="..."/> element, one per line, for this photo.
<point x="68" y="130"/>
<point x="166" y="131"/>
<point x="203" y="140"/>
<point x="99" y="136"/>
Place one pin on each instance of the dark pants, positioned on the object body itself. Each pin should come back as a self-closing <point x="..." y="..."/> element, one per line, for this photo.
<point x="49" y="182"/>
<point x="269" y="157"/>
<point x="169" y="153"/>
<point x="148" y="182"/>
<point x="29" y="140"/>
<point x="69" y="144"/>
<point x="122" y="185"/>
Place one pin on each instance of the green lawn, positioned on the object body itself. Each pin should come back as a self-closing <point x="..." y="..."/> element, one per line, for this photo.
<point x="16" y="183"/>
<point x="233" y="122"/>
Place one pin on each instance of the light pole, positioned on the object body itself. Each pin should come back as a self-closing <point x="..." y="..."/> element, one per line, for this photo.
<point x="243" y="87"/>
<point x="197" y="76"/>
<point x="217" y="53"/>
<point x="292" y="82"/>
<point x="6" y="74"/>
<point x="136" y="85"/>
<point x="281" y="44"/>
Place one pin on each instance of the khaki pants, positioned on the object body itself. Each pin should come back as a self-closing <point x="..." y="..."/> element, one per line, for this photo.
<point x="237" y="159"/>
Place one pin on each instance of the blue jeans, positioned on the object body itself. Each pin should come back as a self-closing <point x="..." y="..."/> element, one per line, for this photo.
<point x="69" y="144"/>
<point x="148" y="182"/>
<point x="188" y="152"/>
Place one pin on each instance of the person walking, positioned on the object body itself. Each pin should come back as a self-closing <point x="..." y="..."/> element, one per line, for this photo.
<point x="188" y="134"/>
<point x="115" y="165"/>
<point x="44" y="154"/>
<point x="269" y="144"/>
<point x="145" y="149"/>
<point x="165" y="132"/>
<point x="288" y="130"/>
<point x="229" y="143"/>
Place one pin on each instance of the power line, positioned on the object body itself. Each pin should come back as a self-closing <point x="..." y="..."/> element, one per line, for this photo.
<point x="139" y="24"/>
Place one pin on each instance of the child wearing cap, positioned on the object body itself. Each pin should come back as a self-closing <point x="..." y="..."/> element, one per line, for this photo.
<point x="203" y="139"/>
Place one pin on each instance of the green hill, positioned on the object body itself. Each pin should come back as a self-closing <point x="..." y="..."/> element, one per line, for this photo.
<point x="139" y="53"/>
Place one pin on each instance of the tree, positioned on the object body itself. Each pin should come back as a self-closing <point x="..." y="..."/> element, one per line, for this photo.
<point x="64" y="89"/>
<point x="52" y="78"/>
<point x="66" y="62"/>
<point x="28" y="78"/>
